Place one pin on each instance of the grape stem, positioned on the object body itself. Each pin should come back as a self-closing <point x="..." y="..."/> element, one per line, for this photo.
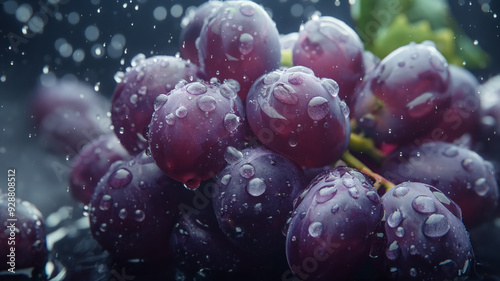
<point x="361" y="144"/>
<point x="354" y="162"/>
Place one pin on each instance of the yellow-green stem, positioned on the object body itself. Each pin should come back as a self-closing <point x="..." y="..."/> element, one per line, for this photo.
<point x="364" y="145"/>
<point x="353" y="162"/>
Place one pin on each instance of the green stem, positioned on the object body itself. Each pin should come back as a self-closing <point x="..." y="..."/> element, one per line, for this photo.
<point x="355" y="163"/>
<point x="361" y="144"/>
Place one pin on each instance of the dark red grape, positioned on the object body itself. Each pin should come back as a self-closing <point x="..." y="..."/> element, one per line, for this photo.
<point x="191" y="27"/>
<point x="423" y="237"/>
<point x="191" y="128"/>
<point x="332" y="226"/>
<point x="239" y="41"/>
<point x="295" y="113"/>
<point x="332" y="49"/>
<point x="92" y="162"/>
<point x="134" y="208"/>
<point x="256" y="191"/>
<point x="463" y="115"/>
<point x="403" y="96"/>
<point x="198" y="244"/>
<point x="461" y="174"/>
<point x="69" y="114"/>
<point x="22" y="236"/>
<point x="134" y="96"/>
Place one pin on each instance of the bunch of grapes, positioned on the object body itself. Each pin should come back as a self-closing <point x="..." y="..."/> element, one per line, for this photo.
<point x="225" y="164"/>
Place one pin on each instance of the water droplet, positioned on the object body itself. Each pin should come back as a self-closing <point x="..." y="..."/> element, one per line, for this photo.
<point x="353" y="191"/>
<point x="285" y="94"/>
<point x="271" y="78"/>
<point x="348" y="181"/>
<point x="160" y="101"/>
<point x="394" y="251"/>
<point x="481" y="187"/>
<point x="295" y="78"/>
<point x="247" y="9"/>
<point x="181" y="112"/>
<point x="121" y="131"/>
<point x="293" y="141"/>
<point x="122" y="214"/>
<point x="413" y="272"/>
<point x="225" y="179"/>
<point x="231" y="122"/>
<point x="326" y="193"/>
<point x="414" y="56"/>
<point x="345" y="109"/>
<point x="438" y="63"/>
<point x="196" y="88"/>
<point x="373" y="196"/>
<point x="246" y="43"/>
<point x="424" y="204"/>
<point x="139" y="215"/>
<point x="247" y="171"/>
<point x="450" y="151"/>
<point x="467" y="164"/>
<point x="449" y="268"/>
<point x="103" y="227"/>
<point x="401" y="64"/>
<point x="133" y="99"/>
<point x="105" y="203"/>
<point x="436" y="225"/>
<point x="170" y="119"/>
<point x="120" y="178"/>
<point x="421" y="105"/>
<point x="137" y="59"/>
<point x="400" y="231"/>
<point x="256" y="187"/>
<point x="318" y="108"/>
<point x="413" y="250"/>
<point x="315" y="229"/>
<point x="228" y="91"/>
<point x="232" y="155"/>
<point x="207" y="103"/>
<point x="395" y="218"/>
<point x="257" y="208"/>
<point x="400" y="191"/>
<point x="140" y="77"/>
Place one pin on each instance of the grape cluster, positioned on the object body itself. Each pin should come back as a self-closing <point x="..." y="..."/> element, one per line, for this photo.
<point x="232" y="163"/>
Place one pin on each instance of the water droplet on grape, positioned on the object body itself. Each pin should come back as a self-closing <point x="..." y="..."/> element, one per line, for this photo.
<point x="424" y="204"/>
<point x="353" y="191"/>
<point x="170" y="119"/>
<point x="137" y="59"/>
<point x="467" y="164"/>
<point x="232" y="155"/>
<point x="285" y="94"/>
<point x="271" y="78"/>
<point x="122" y="214"/>
<point x="326" y="193"/>
<point x="207" y="103"/>
<point x="181" y="112"/>
<point x="295" y="78"/>
<point x="413" y="250"/>
<point x="247" y="171"/>
<point x="247" y="10"/>
<point x="401" y="64"/>
<point x="196" y="88"/>
<point x="395" y="218"/>
<point x="318" y="108"/>
<point x="436" y="225"/>
<point x="225" y="179"/>
<point x="139" y="215"/>
<point x="400" y="231"/>
<point x="227" y="91"/>
<point x="373" y="196"/>
<point x="421" y="105"/>
<point x="400" y="191"/>
<point x="231" y="122"/>
<point x="438" y="63"/>
<point x="481" y="187"/>
<point x="335" y="208"/>
<point x="160" y="101"/>
<point x="256" y="187"/>
<point x="413" y="272"/>
<point x="449" y="268"/>
<point x="257" y="208"/>
<point x="450" y="152"/>
<point x="246" y="43"/>
<point x="133" y="99"/>
<point x="315" y="229"/>
<point x="293" y="141"/>
<point x="105" y="203"/>
<point x="394" y="251"/>
<point x="103" y="227"/>
<point x="120" y="178"/>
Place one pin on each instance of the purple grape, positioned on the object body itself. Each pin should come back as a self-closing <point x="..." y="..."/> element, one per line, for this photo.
<point x="295" y="113"/>
<point x="403" y="96"/>
<point x="191" y="128"/>
<point x="256" y="191"/>
<point x="69" y="114"/>
<point x="331" y="228"/>
<point x="92" y="163"/>
<point x="134" y="208"/>
<point x="191" y="27"/>
<point x="23" y="241"/>
<point x="423" y="237"/>
<point x="370" y="61"/>
<point x="463" y="115"/>
<point x="198" y="244"/>
<point x="239" y="41"/>
<point x="332" y="49"/>
<point x="489" y="139"/>
<point x="134" y="96"/>
<point x="461" y="174"/>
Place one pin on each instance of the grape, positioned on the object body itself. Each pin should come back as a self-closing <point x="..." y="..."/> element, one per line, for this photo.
<point x="198" y="244"/>
<point x="423" y="237"/>
<point x="295" y="113"/>
<point x="461" y="174"/>
<point x="239" y="41"/>
<point x="212" y="115"/>
<point x="370" y="61"/>
<point x="134" y="208"/>
<point x="92" y="163"/>
<point x="403" y="96"/>
<point x="256" y="190"/>
<point x="134" y="96"/>
<point x="462" y="116"/>
<point x="69" y="114"/>
<point x="191" y="27"/>
<point x="489" y="93"/>
<point x="331" y="227"/>
<point x="333" y="50"/>
<point x="29" y="240"/>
